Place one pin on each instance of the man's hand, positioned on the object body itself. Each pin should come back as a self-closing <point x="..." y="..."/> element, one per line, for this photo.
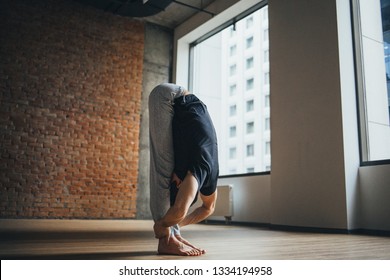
<point x="176" y="179"/>
<point x="161" y="232"/>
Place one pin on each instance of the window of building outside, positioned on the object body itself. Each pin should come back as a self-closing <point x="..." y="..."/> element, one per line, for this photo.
<point x="372" y="40"/>
<point x="266" y="78"/>
<point x="250" y="105"/>
<point x="266" y="101"/>
<point x="249" y="42"/>
<point x="249" y="63"/>
<point x="233" y="50"/>
<point x="250" y="83"/>
<point x="233" y="90"/>
<point x="233" y="131"/>
<point x="233" y="110"/>
<point x="242" y="129"/>
<point x="250" y="150"/>
<point x="265" y="35"/>
<point x="266" y="56"/>
<point x="249" y="22"/>
<point x="233" y="69"/>
<point x="232" y="153"/>
<point x="267" y="124"/>
<point x="250" y="170"/>
<point x="250" y="127"/>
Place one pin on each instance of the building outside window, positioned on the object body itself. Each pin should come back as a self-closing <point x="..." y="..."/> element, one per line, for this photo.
<point x="372" y="35"/>
<point x="231" y="98"/>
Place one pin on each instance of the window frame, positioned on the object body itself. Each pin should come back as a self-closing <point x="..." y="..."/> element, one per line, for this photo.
<point x="360" y="88"/>
<point x="186" y="43"/>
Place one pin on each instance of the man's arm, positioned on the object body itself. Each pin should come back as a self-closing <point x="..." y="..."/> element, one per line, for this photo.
<point x="202" y="212"/>
<point x="175" y="214"/>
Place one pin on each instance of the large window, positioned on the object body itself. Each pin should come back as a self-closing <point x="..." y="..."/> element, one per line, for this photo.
<point x="372" y="36"/>
<point x="237" y="93"/>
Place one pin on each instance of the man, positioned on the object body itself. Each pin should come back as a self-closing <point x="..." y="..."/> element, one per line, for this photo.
<point x="195" y="162"/>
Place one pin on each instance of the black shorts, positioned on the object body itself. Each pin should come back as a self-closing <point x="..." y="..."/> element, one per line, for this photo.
<point x="195" y="143"/>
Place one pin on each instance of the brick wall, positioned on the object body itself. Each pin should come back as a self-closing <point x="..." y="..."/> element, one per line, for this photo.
<point x="70" y="93"/>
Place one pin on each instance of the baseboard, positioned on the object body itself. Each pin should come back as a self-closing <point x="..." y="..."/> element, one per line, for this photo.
<point x="360" y="231"/>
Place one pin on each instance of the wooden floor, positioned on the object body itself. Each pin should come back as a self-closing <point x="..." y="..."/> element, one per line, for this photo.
<point x="133" y="239"/>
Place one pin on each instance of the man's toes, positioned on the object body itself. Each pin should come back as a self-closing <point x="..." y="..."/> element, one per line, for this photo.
<point x="196" y="252"/>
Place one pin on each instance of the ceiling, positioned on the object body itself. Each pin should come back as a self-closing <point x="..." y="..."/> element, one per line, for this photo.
<point x="168" y="13"/>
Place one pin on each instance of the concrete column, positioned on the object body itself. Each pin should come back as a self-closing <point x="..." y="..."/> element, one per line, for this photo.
<point x="157" y="69"/>
<point x="313" y="177"/>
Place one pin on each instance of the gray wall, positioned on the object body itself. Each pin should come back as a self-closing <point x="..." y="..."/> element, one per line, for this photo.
<point x="157" y="69"/>
<point x="309" y="159"/>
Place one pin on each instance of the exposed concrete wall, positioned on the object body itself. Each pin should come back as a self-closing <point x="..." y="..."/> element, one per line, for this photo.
<point x="157" y="69"/>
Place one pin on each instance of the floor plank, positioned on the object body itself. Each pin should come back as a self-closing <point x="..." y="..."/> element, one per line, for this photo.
<point x="133" y="239"/>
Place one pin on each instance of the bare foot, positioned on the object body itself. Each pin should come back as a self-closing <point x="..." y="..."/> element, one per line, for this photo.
<point x="175" y="247"/>
<point x="181" y="239"/>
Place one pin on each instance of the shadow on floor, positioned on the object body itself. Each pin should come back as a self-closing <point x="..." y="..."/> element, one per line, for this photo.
<point x="82" y="256"/>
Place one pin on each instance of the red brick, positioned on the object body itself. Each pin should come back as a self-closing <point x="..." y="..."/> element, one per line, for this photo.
<point x="69" y="131"/>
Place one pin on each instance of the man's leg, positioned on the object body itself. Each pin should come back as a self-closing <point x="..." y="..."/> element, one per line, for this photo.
<point x="198" y="215"/>
<point x="161" y="149"/>
<point x="186" y="194"/>
<point x="162" y="160"/>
